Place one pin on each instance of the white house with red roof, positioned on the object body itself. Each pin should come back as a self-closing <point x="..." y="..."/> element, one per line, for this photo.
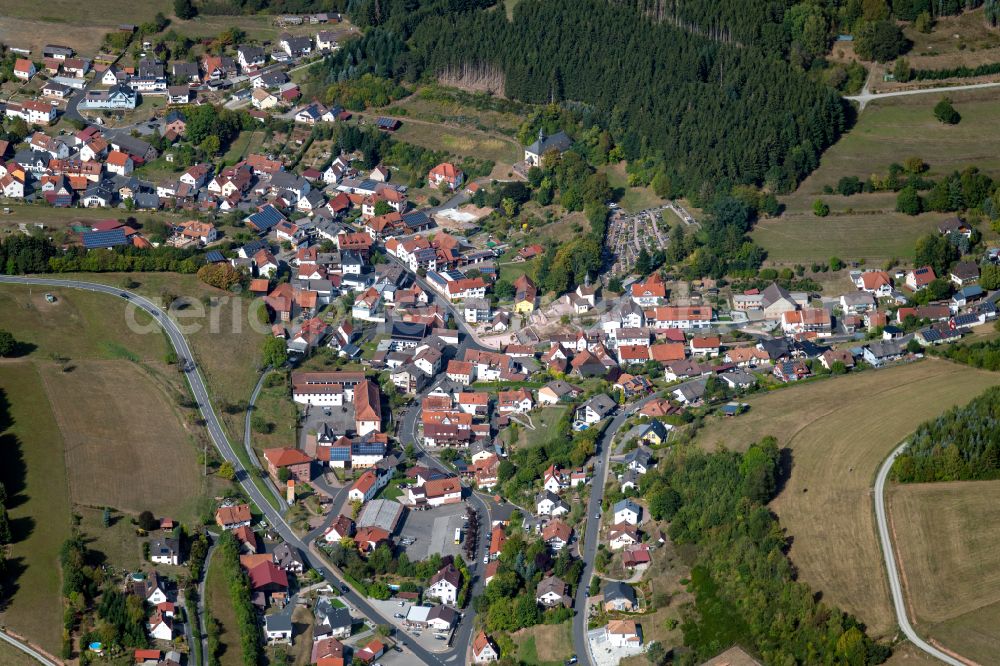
<point x="446" y="173"/>
<point x="649" y="293"/>
<point x="24" y="69"/>
<point x="919" y="278"/>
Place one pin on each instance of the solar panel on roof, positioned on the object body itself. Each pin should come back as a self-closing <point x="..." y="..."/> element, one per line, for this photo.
<point x="98" y="239"/>
<point x="214" y="257"/>
<point x="266" y="218"/>
<point x="368" y="448"/>
<point x="340" y="453"/>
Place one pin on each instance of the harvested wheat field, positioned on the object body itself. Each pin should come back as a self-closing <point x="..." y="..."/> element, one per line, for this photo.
<point x="126" y="445"/>
<point x="838" y="431"/>
<point x="946" y="539"/>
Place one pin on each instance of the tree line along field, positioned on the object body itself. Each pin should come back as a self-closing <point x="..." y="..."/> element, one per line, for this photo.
<point x="93" y="421"/>
<point x="866" y="226"/>
<point x="838" y="432"/>
<point x="946" y="536"/>
<point x="31" y="25"/>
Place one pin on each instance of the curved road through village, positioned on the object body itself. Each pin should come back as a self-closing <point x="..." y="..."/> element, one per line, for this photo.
<point x="885" y="536"/>
<point x="200" y="392"/>
<point x="580" y="642"/>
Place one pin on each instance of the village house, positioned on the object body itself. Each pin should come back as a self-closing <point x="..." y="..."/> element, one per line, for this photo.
<point x="24" y="69"/>
<point x="445" y="585"/>
<point x="809" y="320"/>
<point x="619" y="596"/>
<point x="445" y="173"/>
<point x="623" y="633"/>
<point x="550" y="504"/>
<point x="622" y="535"/>
<point x="484" y="650"/>
<point x="557" y="534"/>
<point x="627" y="511"/>
<point x="518" y="401"/>
<point x="595" y="409"/>
<point x="232" y="517"/>
<point x="919" y="278"/>
<point x="298" y="464"/>
<point x="552" y="591"/>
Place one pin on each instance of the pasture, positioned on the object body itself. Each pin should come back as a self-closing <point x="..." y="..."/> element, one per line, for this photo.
<point x="839" y="431"/>
<point x="127" y="445"/>
<point x="30" y="25"/>
<point x="11" y="656"/>
<point x="866" y="226"/>
<point x="946" y="535"/>
<point x="464" y="142"/>
<point x="34" y="475"/>
<point x="225" y="344"/>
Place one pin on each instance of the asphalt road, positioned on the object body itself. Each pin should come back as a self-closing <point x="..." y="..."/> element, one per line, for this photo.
<point x="407" y="434"/>
<point x="28" y="650"/>
<point x="580" y="643"/>
<point x="889" y="554"/>
<point x="200" y="392"/>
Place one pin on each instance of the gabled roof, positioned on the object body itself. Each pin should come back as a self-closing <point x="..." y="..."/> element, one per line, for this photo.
<point x="286" y="457"/>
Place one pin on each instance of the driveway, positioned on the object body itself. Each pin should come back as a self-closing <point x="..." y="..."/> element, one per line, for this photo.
<point x="389" y="608"/>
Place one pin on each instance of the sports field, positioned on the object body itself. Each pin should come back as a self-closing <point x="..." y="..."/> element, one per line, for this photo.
<point x="838" y="432"/>
<point x="946" y="536"/>
<point x="890" y="130"/>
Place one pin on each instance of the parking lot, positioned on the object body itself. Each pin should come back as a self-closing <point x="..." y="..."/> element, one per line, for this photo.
<point x="425" y="638"/>
<point x="341" y="419"/>
<point x="432" y="531"/>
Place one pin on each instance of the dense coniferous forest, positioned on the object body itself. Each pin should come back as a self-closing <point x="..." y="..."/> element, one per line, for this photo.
<point x="711" y="111"/>
<point x="710" y="94"/>
<point x="744" y="584"/>
<point x="959" y="445"/>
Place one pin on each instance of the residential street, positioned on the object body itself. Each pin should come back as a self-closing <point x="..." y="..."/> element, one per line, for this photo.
<point x="202" y="627"/>
<point x="580" y="642"/>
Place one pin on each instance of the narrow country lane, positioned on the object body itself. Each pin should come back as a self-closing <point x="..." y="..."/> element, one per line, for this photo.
<point x="889" y="554"/>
